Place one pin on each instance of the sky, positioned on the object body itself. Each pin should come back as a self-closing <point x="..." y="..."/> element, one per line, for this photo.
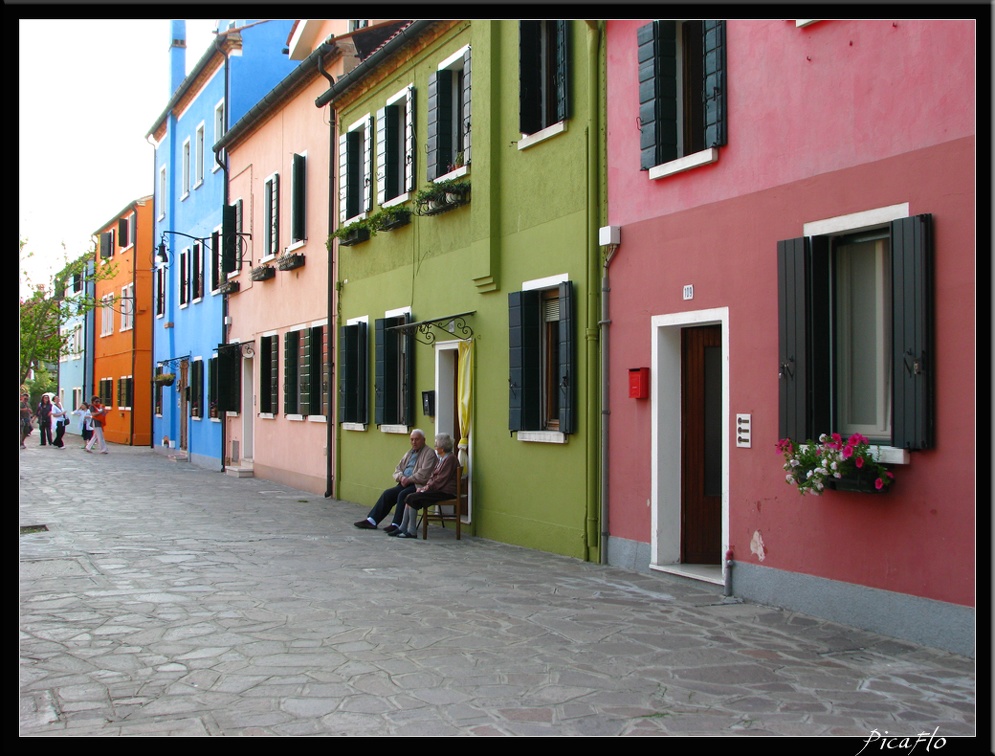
<point x="88" y="93"/>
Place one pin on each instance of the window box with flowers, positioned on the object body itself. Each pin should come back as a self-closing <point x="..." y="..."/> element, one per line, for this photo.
<point x="262" y="273"/>
<point x="290" y="261"/>
<point x="355" y="233"/>
<point x="442" y="196"/>
<point x="834" y="464"/>
<point x="165" y="379"/>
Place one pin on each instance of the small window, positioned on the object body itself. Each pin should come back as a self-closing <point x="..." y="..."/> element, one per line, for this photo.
<point x="298" y="199"/>
<point x="125" y="392"/>
<point x="352" y="373"/>
<point x="212" y="387"/>
<point x="291" y="373"/>
<point x="232" y="241"/>
<point x="396" y="146"/>
<point x="197" y="388"/>
<point x="228" y="378"/>
<point x="197" y="272"/>
<point x="269" y="366"/>
<point x="542" y="384"/>
<point x="199" y="157"/>
<point x="449" y="115"/>
<point x="394" y="379"/>
<point x="682" y="90"/>
<point x="126" y="230"/>
<point x="157" y="389"/>
<point x="184" y="281"/>
<point x="856" y="334"/>
<point x="127" y="307"/>
<point x="106" y="391"/>
<point x="271" y="213"/>
<point x="216" y="274"/>
<point x="162" y="192"/>
<point x="355" y="170"/>
<point x="160" y="292"/>
<point x="185" y="165"/>
<point x="107" y="316"/>
<point x="107" y="245"/>
<point x="543" y="74"/>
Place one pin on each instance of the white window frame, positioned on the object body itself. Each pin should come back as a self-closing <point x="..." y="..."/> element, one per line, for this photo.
<point x="365" y="189"/>
<point x="185" y="167"/>
<point x="271" y="245"/>
<point x="162" y="193"/>
<point x="107" y="315"/>
<point x="199" y="156"/>
<point x="543" y="436"/>
<point x="220" y="129"/>
<point x="128" y="307"/>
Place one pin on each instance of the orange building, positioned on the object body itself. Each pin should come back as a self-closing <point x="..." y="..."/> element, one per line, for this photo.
<point x="122" y="354"/>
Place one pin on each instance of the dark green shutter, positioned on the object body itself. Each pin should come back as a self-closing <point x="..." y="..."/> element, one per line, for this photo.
<point x="914" y="369"/>
<point x="352" y="374"/>
<point x="440" y="137"/>
<point x="792" y="306"/>
<point x="567" y="378"/>
<point x="274" y="374"/>
<point x="291" y="346"/>
<point x="228" y="238"/>
<point x="562" y="75"/>
<point x="530" y="76"/>
<point x="316" y="351"/>
<point x="524" y="359"/>
<point x="714" y="94"/>
<point x="392" y="176"/>
<point x="229" y="374"/>
<point x="389" y="384"/>
<point x="657" y="61"/>
<point x="406" y="343"/>
<point x="298" y="187"/>
<point x="354" y="173"/>
<point x="465" y="122"/>
<point x="304" y="378"/>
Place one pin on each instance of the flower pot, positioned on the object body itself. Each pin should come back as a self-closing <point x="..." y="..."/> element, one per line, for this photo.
<point x="229" y="287"/>
<point x="355" y="236"/>
<point x="289" y="262"/>
<point x="165" y="381"/>
<point x="262" y="273"/>
<point x="861" y="481"/>
<point x="396" y="222"/>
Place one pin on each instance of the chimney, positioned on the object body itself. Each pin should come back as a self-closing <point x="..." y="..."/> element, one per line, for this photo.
<point x="177" y="54"/>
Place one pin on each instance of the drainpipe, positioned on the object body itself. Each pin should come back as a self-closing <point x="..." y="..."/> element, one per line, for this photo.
<point x="331" y="427"/>
<point x="592" y="356"/>
<point x="605" y="398"/>
<point x="134" y="324"/>
<point x="223" y="164"/>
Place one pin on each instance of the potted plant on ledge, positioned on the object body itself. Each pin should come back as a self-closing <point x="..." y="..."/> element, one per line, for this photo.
<point x="262" y="273"/>
<point x="834" y="464"/>
<point x="289" y="261"/>
<point x="355" y="233"/>
<point x="165" y="379"/>
<point x="389" y="218"/>
<point x="442" y="196"/>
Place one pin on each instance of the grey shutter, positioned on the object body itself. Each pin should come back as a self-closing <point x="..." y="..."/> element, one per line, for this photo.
<point x="465" y="122"/>
<point x="409" y="141"/>
<point x="106" y="243"/>
<point x="440" y="138"/>
<point x="562" y="76"/>
<point x="657" y="60"/>
<point x="792" y="302"/>
<point x="567" y="379"/>
<point x="382" y="168"/>
<point x="299" y="179"/>
<point x="524" y="360"/>
<point x="914" y="368"/>
<point x="714" y="94"/>
<point x="530" y="76"/>
<point x="228" y="238"/>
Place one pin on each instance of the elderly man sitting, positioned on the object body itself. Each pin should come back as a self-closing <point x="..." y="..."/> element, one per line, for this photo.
<point x="412" y="471"/>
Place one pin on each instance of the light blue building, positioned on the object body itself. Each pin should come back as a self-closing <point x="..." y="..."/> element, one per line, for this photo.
<point x="244" y="62"/>
<point x="76" y="357"/>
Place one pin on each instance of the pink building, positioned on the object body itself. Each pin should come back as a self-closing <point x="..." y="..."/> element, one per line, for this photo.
<point x="796" y="257"/>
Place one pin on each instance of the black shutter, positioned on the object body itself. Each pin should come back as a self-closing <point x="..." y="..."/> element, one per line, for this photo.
<point x="392" y="176"/>
<point x="106" y="242"/>
<point x="530" y="76"/>
<point x="792" y="305"/>
<point x="465" y="122"/>
<point x="316" y="338"/>
<point x="228" y="238"/>
<point x="384" y="362"/>
<point x="229" y="373"/>
<point x="354" y="173"/>
<point x="352" y="374"/>
<point x="524" y="358"/>
<point x="299" y="179"/>
<point x="714" y="94"/>
<point x="122" y="231"/>
<point x="440" y="137"/>
<point x="567" y="378"/>
<point x="291" y="346"/>
<point x="406" y="343"/>
<point x="657" y="59"/>
<point x="914" y="368"/>
<point x="562" y="80"/>
<point x="274" y="374"/>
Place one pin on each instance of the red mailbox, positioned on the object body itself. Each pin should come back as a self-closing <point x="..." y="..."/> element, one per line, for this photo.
<point x="639" y="383"/>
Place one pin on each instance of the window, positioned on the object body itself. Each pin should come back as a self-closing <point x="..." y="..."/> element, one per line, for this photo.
<point x="76" y="342"/>
<point x="77" y="398"/>
<point x="542" y="384"/>
<point x="106" y="392"/>
<point x="231" y="237"/>
<point x="199" y="157"/>
<point x="228" y="391"/>
<point x="855" y="332"/>
<point x="219" y="129"/>
<point x="396" y="146"/>
<point x="291" y="371"/>
<point x="358" y="24"/>
<point x="162" y="193"/>
<point x="352" y="373"/>
<point x="128" y="307"/>
<point x="393" y="383"/>
<point x="269" y="365"/>
<point x="317" y="373"/>
<point x="157" y="390"/>
<point x="216" y="274"/>
<point x="160" y="292"/>
<point x="125" y="392"/>
<point x="107" y="244"/>
<point x="271" y="216"/>
<point x="298" y="197"/>
<point x="196" y="388"/>
<point x="355" y="158"/>
<point x="303" y="387"/>
<point x="212" y="387"/>
<point x="126" y="230"/>
<point x="682" y="93"/>
<point x="107" y="315"/>
<point x="449" y="115"/>
<point x="543" y="74"/>
<point x="184" y="278"/>
<point x="185" y="166"/>
<point x="197" y="272"/>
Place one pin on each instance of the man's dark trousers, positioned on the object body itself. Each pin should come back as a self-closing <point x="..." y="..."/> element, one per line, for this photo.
<point x="389" y="498"/>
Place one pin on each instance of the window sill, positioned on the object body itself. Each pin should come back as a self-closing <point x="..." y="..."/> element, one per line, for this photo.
<point x="543" y="134"/>
<point x="394" y="429"/>
<point x="892" y="455"/>
<point x="199" y="184"/>
<point x="686" y="163"/>
<point x="543" y="437"/>
<point x="184" y="195"/>
<point x="354" y="426"/>
<point x="296" y="417"/>
<point x="295" y="245"/>
<point x="317" y="419"/>
<point x="454" y="174"/>
<point x="400" y="199"/>
<point x="266" y="259"/>
<point x="215" y="419"/>
<point x="266" y="416"/>
<point x="231" y="413"/>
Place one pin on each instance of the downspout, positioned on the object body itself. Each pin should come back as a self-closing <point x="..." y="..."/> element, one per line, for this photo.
<point x="155" y="198"/>
<point x="592" y="355"/>
<point x="223" y="164"/>
<point x="605" y="398"/>
<point x="331" y="427"/>
<point x="134" y="324"/>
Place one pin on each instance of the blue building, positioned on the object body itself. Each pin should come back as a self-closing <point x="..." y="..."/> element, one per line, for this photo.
<point x="76" y="356"/>
<point x="244" y="63"/>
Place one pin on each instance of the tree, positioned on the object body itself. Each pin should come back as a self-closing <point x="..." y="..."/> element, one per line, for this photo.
<point x="43" y="313"/>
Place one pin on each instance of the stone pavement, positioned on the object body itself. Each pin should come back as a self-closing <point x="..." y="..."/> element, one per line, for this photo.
<point x="164" y="599"/>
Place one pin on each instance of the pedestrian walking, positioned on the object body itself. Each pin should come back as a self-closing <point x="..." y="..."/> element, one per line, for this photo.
<point x="85" y="421"/>
<point x="44" y="415"/>
<point x="98" y="414"/>
<point x="25" y="422"/>
<point x="60" y="419"/>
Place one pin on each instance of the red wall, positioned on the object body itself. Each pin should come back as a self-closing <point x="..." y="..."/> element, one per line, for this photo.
<point x="885" y="120"/>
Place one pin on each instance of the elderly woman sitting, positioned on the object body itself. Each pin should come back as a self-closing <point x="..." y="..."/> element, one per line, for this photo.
<point x="440" y="486"/>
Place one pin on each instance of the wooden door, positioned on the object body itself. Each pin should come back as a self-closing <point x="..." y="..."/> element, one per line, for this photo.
<point x="701" y="445"/>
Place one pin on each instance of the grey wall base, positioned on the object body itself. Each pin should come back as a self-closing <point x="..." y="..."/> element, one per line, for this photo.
<point x="937" y="624"/>
<point x="200" y="460"/>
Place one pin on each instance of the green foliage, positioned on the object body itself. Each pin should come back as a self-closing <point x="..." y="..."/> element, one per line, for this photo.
<point x="442" y="195"/>
<point x="43" y="383"/>
<point x="808" y="465"/>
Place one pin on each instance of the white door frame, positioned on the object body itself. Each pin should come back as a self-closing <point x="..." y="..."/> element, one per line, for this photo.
<point x="248" y="407"/>
<point x="665" y="447"/>
<point x="446" y="353"/>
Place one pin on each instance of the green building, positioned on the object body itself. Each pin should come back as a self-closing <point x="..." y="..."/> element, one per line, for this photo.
<point x="471" y="154"/>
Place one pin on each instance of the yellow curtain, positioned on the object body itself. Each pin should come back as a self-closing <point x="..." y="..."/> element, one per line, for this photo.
<point x="463" y="388"/>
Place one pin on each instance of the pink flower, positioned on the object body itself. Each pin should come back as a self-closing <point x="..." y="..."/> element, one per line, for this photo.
<point x="847" y="451"/>
<point x="837" y="439"/>
<point x="879" y="484"/>
<point x="859" y="462"/>
<point x="890" y="475"/>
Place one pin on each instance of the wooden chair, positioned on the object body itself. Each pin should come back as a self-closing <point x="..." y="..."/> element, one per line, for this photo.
<point x="435" y="513"/>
